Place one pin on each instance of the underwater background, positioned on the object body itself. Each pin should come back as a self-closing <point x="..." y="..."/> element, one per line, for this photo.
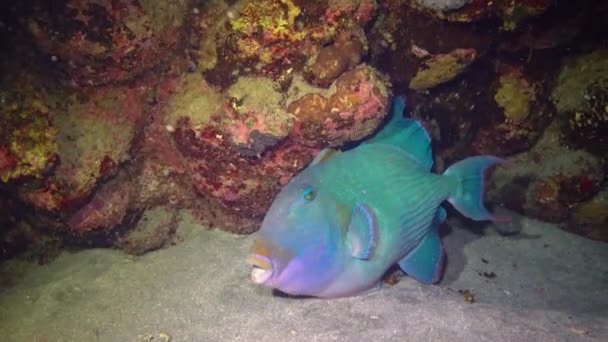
<point x="143" y="141"/>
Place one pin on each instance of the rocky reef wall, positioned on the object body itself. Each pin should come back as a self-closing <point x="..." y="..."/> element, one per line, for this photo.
<point x="116" y="114"/>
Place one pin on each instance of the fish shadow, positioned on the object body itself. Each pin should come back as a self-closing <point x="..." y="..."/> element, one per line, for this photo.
<point x="455" y="233"/>
<point x="281" y="294"/>
<point x="458" y="231"/>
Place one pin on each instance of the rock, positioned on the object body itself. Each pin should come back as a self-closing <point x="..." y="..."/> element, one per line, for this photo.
<point x="523" y="114"/>
<point x="590" y="218"/>
<point x="547" y="181"/>
<point x="156" y="229"/>
<point x="407" y="44"/>
<point x="511" y="13"/>
<point x="442" y="5"/>
<point x="253" y="117"/>
<point x="274" y="38"/>
<point x="106" y="210"/>
<point x="97" y="42"/>
<point x="580" y="96"/>
<point x="350" y="110"/>
<point x="28" y="136"/>
<point x="576" y="77"/>
<point x="332" y="60"/>
<point x="442" y="68"/>
<point x="241" y="146"/>
<point x="233" y="145"/>
<point x="96" y="128"/>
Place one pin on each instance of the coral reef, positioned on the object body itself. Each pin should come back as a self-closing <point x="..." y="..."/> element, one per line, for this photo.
<point x="29" y="243"/>
<point x="129" y="110"/>
<point x="549" y="180"/>
<point x="107" y="208"/>
<point x="577" y="76"/>
<point x="348" y="111"/>
<point x="587" y="128"/>
<point x="406" y="44"/>
<point x="95" y="132"/>
<point x="581" y="99"/>
<point x="332" y="60"/>
<point x="156" y="229"/>
<point x="441" y="68"/>
<point x="223" y="156"/>
<point x="241" y="145"/>
<point x="514" y="95"/>
<point x="274" y="38"/>
<point x="28" y="146"/>
<point x="442" y="5"/>
<point x="253" y="118"/>
<point x="457" y="10"/>
<point x="590" y="218"/>
<point x="96" y="42"/>
<point x="522" y="116"/>
<point x="159" y="174"/>
<point x="512" y="13"/>
<point x="62" y="144"/>
<point x="242" y="185"/>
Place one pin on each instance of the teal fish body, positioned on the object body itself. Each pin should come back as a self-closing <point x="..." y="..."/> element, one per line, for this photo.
<point x="341" y="223"/>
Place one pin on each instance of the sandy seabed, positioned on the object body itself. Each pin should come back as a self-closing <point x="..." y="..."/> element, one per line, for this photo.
<point x="542" y="284"/>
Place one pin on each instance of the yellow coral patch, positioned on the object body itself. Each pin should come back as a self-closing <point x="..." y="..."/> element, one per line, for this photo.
<point x="442" y="68"/>
<point x="30" y="135"/>
<point x="514" y="96"/>
<point x="194" y="100"/>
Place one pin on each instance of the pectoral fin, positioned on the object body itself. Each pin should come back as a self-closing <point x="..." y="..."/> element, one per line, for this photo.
<point x="425" y="262"/>
<point x="362" y="233"/>
<point x="440" y="216"/>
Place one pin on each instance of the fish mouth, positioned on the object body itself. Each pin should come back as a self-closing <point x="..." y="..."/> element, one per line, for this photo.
<point x="262" y="268"/>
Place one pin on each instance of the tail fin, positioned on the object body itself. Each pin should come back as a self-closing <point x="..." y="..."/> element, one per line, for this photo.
<point x="468" y="187"/>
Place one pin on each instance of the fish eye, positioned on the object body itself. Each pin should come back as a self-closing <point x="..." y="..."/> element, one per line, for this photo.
<point x="309" y="194"/>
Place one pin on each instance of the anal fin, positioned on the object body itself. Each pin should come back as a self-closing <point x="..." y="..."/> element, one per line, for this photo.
<point x="425" y="262"/>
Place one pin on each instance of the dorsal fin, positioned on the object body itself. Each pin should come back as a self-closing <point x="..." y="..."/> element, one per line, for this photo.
<point x="407" y="134"/>
<point x="324" y="155"/>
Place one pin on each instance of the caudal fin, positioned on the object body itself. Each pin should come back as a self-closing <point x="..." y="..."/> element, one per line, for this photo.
<point x="468" y="187"/>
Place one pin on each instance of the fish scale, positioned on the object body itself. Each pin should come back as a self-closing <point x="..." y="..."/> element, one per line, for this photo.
<point x="403" y="179"/>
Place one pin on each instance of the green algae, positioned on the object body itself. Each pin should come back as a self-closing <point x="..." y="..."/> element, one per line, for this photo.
<point x="27" y="131"/>
<point x="515" y="95"/>
<point x="87" y="136"/>
<point x="442" y="68"/>
<point x="577" y="76"/>
<point x="194" y="99"/>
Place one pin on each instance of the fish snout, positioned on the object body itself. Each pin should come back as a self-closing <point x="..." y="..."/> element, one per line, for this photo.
<point x="260" y="260"/>
<point x="262" y="268"/>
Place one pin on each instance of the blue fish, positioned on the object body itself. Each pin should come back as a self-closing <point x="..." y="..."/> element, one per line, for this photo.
<point x="342" y="222"/>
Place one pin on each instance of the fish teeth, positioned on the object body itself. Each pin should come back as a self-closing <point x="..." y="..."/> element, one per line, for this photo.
<point x="260" y="275"/>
